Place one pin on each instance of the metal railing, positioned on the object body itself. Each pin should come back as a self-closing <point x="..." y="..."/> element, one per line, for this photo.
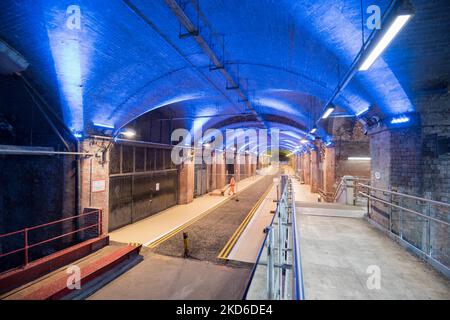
<point x="278" y="267"/>
<point x="420" y="224"/>
<point x="351" y="186"/>
<point x="93" y="223"/>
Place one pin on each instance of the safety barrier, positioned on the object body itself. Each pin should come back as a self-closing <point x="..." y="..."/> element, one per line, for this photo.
<point x="94" y="216"/>
<point x="421" y="225"/>
<point x="279" y="262"/>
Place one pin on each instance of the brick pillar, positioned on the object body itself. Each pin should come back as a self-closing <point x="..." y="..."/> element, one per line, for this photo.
<point x="314" y="171"/>
<point x="306" y="169"/>
<point x="253" y="162"/>
<point x="220" y="170"/>
<point x="248" y="169"/>
<point x="214" y="171"/>
<point x="95" y="179"/>
<point x="329" y="167"/>
<point x="237" y="167"/>
<point x="186" y="181"/>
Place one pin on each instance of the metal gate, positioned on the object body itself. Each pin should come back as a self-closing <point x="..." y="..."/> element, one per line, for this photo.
<point x="148" y="188"/>
<point x="200" y="180"/>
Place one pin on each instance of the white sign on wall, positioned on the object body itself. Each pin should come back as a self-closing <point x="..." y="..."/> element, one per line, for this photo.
<point x="98" y="185"/>
<point x="157" y="187"/>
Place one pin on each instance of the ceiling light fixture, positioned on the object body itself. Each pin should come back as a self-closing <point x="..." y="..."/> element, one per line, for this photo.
<point x="359" y="158"/>
<point x="401" y="119"/>
<point x="129" y="133"/>
<point x="101" y="125"/>
<point x="328" y="112"/>
<point x="402" y="15"/>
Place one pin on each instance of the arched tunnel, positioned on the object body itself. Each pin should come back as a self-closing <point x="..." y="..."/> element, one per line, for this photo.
<point x="175" y="137"/>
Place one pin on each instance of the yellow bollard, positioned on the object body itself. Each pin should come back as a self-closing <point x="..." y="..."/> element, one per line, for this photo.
<point x="186" y="245"/>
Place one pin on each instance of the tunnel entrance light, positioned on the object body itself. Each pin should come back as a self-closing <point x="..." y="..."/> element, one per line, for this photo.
<point x="328" y="112"/>
<point x="401" y="17"/>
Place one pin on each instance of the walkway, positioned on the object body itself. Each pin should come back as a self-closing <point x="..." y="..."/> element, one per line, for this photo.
<point x="339" y="252"/>
<point x="249" y="244"/>
<point x="161" y="277"/>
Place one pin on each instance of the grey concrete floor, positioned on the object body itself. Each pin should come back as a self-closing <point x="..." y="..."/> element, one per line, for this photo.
<point x="163" y="277"/>
<point x="336" y="253"/>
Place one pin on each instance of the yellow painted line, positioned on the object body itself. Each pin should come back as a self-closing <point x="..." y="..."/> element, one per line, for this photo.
<point x="224" y="253"/>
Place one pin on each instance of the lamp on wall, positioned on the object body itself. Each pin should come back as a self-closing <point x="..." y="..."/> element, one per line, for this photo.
<point x="128" y="133"/>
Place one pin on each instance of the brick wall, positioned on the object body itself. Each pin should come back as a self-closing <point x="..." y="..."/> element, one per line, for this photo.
<point x="415" y="160"/>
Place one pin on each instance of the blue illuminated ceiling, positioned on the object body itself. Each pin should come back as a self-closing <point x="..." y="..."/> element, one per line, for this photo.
<point x="289" y="56"/>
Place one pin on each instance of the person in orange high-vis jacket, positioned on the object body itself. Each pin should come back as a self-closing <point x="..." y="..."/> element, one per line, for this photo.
<point x="232" y="186"/>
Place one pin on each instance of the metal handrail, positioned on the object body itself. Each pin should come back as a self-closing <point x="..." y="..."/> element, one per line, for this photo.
<point x="407" y="195"/>
<point x="403" y="208"/>
<point x="423" y="246"/>
<point x="285" y="201"/>
<point x="25" y="231"/>
<point x="341" y="183"/>
<point x="298" y="274"/>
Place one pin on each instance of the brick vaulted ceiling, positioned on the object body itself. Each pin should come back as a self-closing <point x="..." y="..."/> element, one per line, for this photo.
<point x="287" y="56"/>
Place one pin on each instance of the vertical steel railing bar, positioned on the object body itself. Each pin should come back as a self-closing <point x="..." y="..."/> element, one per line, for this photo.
<point x="26" y="246"/>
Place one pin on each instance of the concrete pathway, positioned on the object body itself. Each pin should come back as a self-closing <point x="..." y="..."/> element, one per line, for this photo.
<point x="162" y="277"/>
<point x="249" y="244"/>
<point x="340" y="254"/>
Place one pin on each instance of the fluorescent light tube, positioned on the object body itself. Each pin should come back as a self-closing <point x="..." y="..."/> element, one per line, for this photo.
<point x="362" y="112"/>
<point x="328" y="112"/>
<point x="107" y="126"/>
<point x="401" y="119"/>
<point x="385" y="40"/>
<point x="359" y="158"/>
